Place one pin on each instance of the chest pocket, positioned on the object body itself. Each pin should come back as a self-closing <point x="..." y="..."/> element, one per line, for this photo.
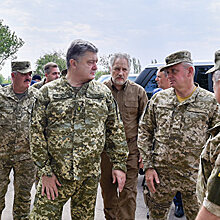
<point x="197" y="116"/>
<point x="60" y="110"/>
<point x="96" y="109"/>
<point x="6" y="113"/>
<point x="131" y="107"/>
<point x="164" y="116"/>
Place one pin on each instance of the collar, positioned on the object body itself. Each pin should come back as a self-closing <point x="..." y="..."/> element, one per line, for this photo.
<point x="173" y="98"/>
<point x="82" y="90"/>
<point x="9" y="92"/>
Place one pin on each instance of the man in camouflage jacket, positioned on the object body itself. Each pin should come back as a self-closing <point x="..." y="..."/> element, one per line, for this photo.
<point x="16" y="102"/>
<point x="208" y="183"/>
<point x="52" y="72"/>
<point x="175" y="121"/>
<point x="72" y="121"/>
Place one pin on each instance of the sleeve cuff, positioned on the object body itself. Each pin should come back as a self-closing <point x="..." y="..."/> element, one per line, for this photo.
<point x="120" y="167"/>
<point x="45" y="171"/>
<point x="211" y="207"/>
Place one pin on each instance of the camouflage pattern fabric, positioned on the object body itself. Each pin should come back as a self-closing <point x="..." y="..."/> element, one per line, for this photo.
<point x="175" y="58"/>
<point x="38" y="85"/>
<point x="69" y="130"/>
<point x="15" y="149"/>
<point x="15" y="117"/>
<point x="208" y="183"/>
<point x="83" y="200"/>
<point x="178" y="132"/>
<point x="24" y="177"/>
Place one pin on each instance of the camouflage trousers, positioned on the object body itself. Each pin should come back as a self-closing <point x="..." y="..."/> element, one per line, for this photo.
<point x="171" y="182"/>
<point x="83" y="199"/>
<point x="24" y="177"/>
<point x="124" y="206"/>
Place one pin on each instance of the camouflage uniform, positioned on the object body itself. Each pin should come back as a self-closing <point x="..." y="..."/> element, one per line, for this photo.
<point x="15" y="149"/>
<point x="178" y="131"/>
<point x="131" y="101"/>
<point x="208" y="182"/>
<point x="209" y="173"/>
<point x="38" y="85"/>
<point x="68" y="134"/>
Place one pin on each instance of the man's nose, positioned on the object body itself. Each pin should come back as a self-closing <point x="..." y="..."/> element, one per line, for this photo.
<point x="94" y="66"/>
<point x="121" y="72"/>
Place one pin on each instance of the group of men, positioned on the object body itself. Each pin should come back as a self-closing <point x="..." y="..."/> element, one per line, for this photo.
<point x="75" y="132"/>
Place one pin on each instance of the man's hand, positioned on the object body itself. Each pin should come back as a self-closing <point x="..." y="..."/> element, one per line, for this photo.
<point x="49" y="184"/>
<point x="140" y="162"/>
<point x="120" y="177"/>
<point x="150" y="176"/>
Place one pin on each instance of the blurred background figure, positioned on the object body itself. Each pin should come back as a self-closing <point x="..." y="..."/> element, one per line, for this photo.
<point x="52" y="72"/>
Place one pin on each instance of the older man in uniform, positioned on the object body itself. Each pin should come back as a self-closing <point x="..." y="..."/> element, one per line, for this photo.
<point x="17" y="101"/>
<point x="131" y="99"/>
<point x="176" y="121"/>
<point x="52" y="72"/>
<point x="208" y="183"/>
<point x="73" y="120"/>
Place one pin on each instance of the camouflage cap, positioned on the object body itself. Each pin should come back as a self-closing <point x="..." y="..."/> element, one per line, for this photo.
<point x="21" y="66"/>
<point x="177" y="57"/>
<point x="217" y="63"/>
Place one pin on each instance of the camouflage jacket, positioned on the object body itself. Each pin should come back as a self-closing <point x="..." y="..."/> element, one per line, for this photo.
<point x="15" y="117"/>
<point x="69" y="131"/>
<point x="208" y="183"/>
<point x="38" y="85"/>
<point x="177" y="130"/>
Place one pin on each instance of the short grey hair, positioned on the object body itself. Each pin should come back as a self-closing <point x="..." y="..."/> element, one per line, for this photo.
<point x="48" y="66"/>
<point x="77" y="49"/>
<point x="186" y="65"/>
<point x="120" y="56"/>
<point x="162" y="71"/>
<point x="216" y="76"/>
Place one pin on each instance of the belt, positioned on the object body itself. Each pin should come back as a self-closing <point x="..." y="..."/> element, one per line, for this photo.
<point x="131" y="139"/>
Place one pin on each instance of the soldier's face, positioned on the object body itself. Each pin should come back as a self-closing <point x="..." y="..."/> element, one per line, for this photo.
<point x="86" y="67"/>
<point x="120" y="71"/>
<point x="178" y="76"/>
<point x="54" y="74"/>
<point x="22" y="81"/>
<point x="162" y="81"/>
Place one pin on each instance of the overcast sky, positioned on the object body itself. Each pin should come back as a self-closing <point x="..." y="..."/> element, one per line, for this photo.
<point x="146" y="29"/>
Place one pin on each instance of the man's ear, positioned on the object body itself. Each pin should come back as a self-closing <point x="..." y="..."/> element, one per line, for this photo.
<point x="12" y="75"/>
<point x="73" y="63"/>
<point x="191" y="71"/>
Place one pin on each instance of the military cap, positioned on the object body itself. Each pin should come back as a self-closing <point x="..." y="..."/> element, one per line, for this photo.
<point x="217" y="63"/>
<point x="177" y="57"/>
<point x="21" y="66"/>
